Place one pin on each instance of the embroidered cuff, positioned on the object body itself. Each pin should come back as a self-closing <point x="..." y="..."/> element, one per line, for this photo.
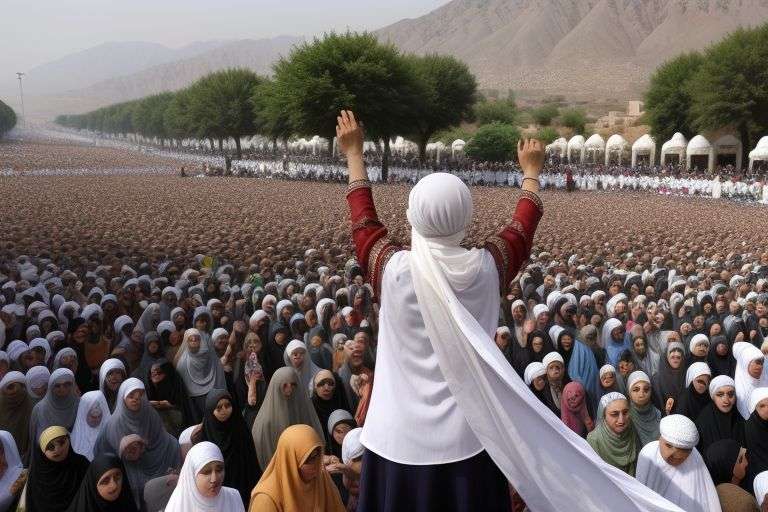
<point x="361" y="183"/>
<point x="535" y="199"/>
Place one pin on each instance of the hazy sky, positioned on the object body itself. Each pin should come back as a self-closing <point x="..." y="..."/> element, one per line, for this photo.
<point x="33" y="32"/>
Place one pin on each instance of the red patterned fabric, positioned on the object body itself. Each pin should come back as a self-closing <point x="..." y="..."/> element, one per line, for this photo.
<point x="510" y="248"/>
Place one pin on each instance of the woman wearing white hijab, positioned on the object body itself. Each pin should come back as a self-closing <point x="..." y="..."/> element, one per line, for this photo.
<point x="674" y="468"/>
<point x="13" y="469"/>
<point x="199" y="488"/>
<point x="438" y="365"/>
<point x="297" y="357"/>
<point x="749" y="375"/>
<point x="92" y="416"/>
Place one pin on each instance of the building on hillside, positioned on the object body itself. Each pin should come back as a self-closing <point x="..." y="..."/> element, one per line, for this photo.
<point x="617" y="120"/>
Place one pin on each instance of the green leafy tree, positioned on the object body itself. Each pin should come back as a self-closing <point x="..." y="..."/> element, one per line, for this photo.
<point x="668" y="99"/>
<point x="498" y="111"/>
<point x="730" y="88"/>
<point x="544" y="114"/>
<point x="7" y="118"/>
<point x="347" y="71"/>
<point x="270" y="111"/>
<point x="575" y="119"/>
<point x="495" y="142"/>
<point x="547" y="135"/>
<point x="148" y="117"/>
<point x="220" y="105"/>
<point x="177" y="118"/>
<point x="446" y="95"/>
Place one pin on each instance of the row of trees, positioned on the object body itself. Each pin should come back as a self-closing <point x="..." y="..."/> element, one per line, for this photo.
<point x="726" y="86"/>
<point x="395" y="94"/>
<point x="7" y="118"/>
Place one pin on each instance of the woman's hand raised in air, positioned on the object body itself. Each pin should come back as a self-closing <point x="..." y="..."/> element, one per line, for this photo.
<point x="530" y="154"/>
<point x="349" y="134"/>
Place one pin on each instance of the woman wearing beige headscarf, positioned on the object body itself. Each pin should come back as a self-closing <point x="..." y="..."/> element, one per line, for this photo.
<point x="295" y="478"/>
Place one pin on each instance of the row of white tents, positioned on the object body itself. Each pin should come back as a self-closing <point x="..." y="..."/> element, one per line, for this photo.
<point x="698" y="151"/>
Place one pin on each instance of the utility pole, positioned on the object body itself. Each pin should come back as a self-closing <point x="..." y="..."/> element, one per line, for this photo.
<point x="21" y="93"/>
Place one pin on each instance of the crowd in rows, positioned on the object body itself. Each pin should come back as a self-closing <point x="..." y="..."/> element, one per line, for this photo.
<point x="168" y="388"/>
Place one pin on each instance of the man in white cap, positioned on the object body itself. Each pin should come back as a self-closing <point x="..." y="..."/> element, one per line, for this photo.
<point x="674" y="468"/>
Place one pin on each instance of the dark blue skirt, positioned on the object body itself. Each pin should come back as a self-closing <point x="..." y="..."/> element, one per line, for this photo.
<point x="470" y="485"/>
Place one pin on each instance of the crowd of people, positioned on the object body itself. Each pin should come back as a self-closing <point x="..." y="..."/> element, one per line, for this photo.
<point x="152" y="386"/>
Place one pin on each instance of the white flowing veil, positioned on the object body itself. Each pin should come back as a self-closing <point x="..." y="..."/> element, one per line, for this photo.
<point x="551" y="467"/>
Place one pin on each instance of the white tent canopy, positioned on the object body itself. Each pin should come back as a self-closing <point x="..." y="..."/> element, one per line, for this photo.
<point x="560" y="146"/>
<point x="594" y="146"/>
<point x="645" y="145"/>
<point x="700" y="146"/>
<point x="729" y="145"/>
<point x="457" y="145"/>
<point x="760" y="153"/>
<point x="616" y="145"/>
<point x="576" y="144"/>
<point x="674" y="146"/>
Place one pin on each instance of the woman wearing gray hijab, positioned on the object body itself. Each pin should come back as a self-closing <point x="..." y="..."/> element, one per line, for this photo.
<point x="200" y="369"/>
<point x="134" y="415"/>
<point x="149" y="319"/>
<point x="285" y="404"/>
<point x="59" y="405"/>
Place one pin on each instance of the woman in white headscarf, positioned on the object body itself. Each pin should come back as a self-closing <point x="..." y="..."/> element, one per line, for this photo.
<point x="200" y="488"/>
<point x="750" y="374"/>
<point x="92" y="416"/>
<point x="296" y="357"/>
<point x="674" y="468"/>
<point x="438" y="366"/>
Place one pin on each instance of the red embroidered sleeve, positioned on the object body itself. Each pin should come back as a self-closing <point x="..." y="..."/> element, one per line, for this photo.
<point x="372" y="246"/>
<point x="512" y="246"/>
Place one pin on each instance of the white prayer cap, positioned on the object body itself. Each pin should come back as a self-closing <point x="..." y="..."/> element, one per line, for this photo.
<point x="718" y="382"/>
<point x="596" y="294"/>
<point x="757" y="395"/>
<point x="518" y="304"/>
<point x="607" y="368"/>
<point x="11" y="377"/>
<point x="503" y="330"/>
<point x="679" y="431"/>
<point x="699" y="338"/>
<point x="637" y="376"/>
<point x="538" y="309"/>
<point x="551" y="358"/>
<point x="258" y="315"/>
<point x="695" y="370"/>
<point x="533" y="370"/>
<point x="219" y="331"/>
<point x="165" y="326"/>
<point x="761" y="487"/>
<point x="346" y="310"/>
<point x="351" y="447"/>
<point x="610" y="397"/>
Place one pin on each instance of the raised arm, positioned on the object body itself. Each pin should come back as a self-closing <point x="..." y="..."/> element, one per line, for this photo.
<point x="512" y="246"/>
<point x="369" y="235"/>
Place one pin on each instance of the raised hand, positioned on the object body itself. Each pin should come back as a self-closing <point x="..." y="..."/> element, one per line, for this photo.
<point x="349" y="134"/>
<point x="530" y="154"/>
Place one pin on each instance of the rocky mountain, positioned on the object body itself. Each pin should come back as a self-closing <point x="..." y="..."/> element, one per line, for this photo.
<point x="573" y="47"/>
<point x="105" y="61"/>
<point x="256" y="54"/>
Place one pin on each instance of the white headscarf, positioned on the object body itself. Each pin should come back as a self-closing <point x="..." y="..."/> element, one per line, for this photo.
<point x="605" y="339"/>
<point x="695" y="370"/>
<point x="351" y="447"/>
<point x="35" y="378"/>
<point x="745" y="353"/>
<point x="688" y="485"/>
<point x="186" y="497"/>
<point x="531" y="446"/>
<point x="83" y="435"/>
<point x="308" y="369"/>
<point x="108" y="366"/>
<point x="12" y="471"/>
<point x="761" y="487"/>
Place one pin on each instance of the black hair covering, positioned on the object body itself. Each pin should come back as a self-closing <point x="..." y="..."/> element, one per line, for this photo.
<point x="88" y="498"/>
<point x="233" y="438"/>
